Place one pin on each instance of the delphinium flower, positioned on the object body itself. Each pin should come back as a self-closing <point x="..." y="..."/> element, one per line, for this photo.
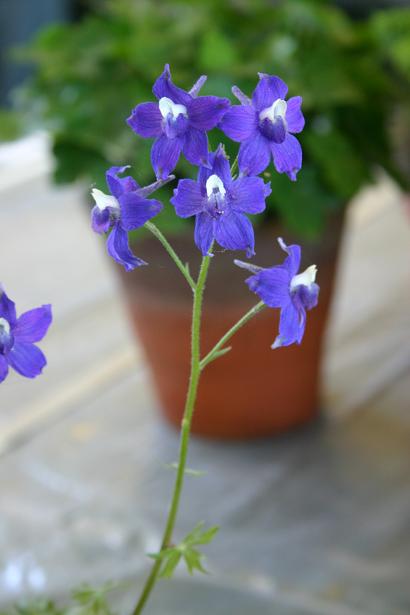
<point x="17" y="337"/>
<point x="264" y="126"/>
<point x="125" y="209"/>
<point x="179" y="121"/>
<point x="283" y="287"/>
<point x="220" y="204"/>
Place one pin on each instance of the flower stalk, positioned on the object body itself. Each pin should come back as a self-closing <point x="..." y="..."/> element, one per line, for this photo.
<point x="164" y="241"/>
<point x="197" y="365"/>
<point x="218" y="350"/>
<point x="185" y="429"/>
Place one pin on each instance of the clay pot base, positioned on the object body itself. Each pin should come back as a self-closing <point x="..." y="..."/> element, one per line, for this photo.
<point x="252" y="391"/>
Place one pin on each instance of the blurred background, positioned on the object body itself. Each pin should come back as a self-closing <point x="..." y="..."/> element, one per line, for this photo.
<point x="314" y="519"/>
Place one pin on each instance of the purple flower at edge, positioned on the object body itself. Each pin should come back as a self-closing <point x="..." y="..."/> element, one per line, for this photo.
<point x="264" y="126"/>
<point x="220" y="204"/>
<point x="283" y="287"/>
<point x="125" y="209"/>
<point x="179" y="122"/>
<point x="17" y="337"/>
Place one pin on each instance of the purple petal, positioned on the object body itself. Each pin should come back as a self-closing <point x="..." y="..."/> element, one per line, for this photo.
<point x="100" y="220"/>
<point x="204" y="172"/>
<point x="278" y="130"/>
<point x="33" y="325"/>
<point x="194" y="91"/>
<point x="195" y="146"/>
<point x="26" y="359"/>
<point x="206" y="111"/>
<point x="146" y="120"/>
<point x="118" y="248"/>
<point x="204" y="232"/>
<point x="164" y="155"/>
<point x="287" y="156"/>
<point x="188" y="199"/>
<point x="220" y="166"/>
<point x="164" y="87"/>
<point x="248" y="194"/>
<point x="272" y="285"/>
<point x="4" y="368"/>
<point x="308" y="295"/>
<point x="6" y="339"/>
<point x="239" y="123"/>
<point x="234" y="231"/>
<point x="294" y="115"/>
<point x="136" y="211"/>
<point x="7" y="307"/>
<point x="243" y="99"/>
<point x="118" y="185"/>
<point x="291" y="325"/>
<point x="254" y="155"/>
<point x="175" y="127"/>
<point x="292" y="261"/>
<point x="269" y="89"/>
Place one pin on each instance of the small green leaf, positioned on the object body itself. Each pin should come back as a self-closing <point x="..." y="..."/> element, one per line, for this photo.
<point x="192" y="558"/>
<point x="171" y="559"/>
<point x="94" y="600"/>
<point x="171" y="556"/>
<point x="199" y="537"/>
<point x="220" y="353"/>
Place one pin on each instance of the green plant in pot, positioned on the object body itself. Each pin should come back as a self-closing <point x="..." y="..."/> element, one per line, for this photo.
<point x="90" y="76"/>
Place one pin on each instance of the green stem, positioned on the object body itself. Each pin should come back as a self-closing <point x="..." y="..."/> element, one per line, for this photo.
<point x="185" y="432"/>
<point x="218" y="349"/>
<point x="183" y="268"/>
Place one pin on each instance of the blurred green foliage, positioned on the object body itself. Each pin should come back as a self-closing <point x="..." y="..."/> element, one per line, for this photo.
<point x="352" y="76"/>
<point x="86" y="600"/>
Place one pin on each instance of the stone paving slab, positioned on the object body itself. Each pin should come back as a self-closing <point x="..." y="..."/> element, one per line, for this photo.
<point x="323" y="513"/>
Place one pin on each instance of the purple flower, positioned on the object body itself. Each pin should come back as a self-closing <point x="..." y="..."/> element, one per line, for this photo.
<point x="220" y="204"/>
<point x="264" y="125"/>
<point x="125" y="209"/>
<point x="17" y="336"/>
<point x="179" y="121"/>
<point x="283" y="287"/>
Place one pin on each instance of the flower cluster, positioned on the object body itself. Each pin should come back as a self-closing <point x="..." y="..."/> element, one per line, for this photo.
<point x="264" y="125"/>
<point x="17" y="337"/>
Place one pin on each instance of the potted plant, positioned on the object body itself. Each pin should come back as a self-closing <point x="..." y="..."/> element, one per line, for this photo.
<point x="353" y="76"/>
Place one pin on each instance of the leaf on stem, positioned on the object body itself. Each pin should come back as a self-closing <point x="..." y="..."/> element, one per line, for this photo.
<point x="94" y="600"/>
<point x="220" y="353"/>
<point x="186" y="551"/>
<point x="214" y="355"/>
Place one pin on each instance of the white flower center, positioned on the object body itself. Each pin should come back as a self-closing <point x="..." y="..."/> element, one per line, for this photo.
<point x="167" y="106"/>
<point x="214" y="185"/>
<point x="104" y="200"/>
<point x="275" y="111"/>
<point x="306" y="278"/>
<point x="4" y="325"/>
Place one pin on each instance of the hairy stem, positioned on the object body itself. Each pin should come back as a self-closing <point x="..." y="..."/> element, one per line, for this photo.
<point x="218" y="349"/>
<point x="183" y="268"/>
<point x="185" y="432"/>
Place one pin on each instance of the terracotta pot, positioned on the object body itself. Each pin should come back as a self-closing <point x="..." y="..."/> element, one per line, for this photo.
<point x="253" y="390"/>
